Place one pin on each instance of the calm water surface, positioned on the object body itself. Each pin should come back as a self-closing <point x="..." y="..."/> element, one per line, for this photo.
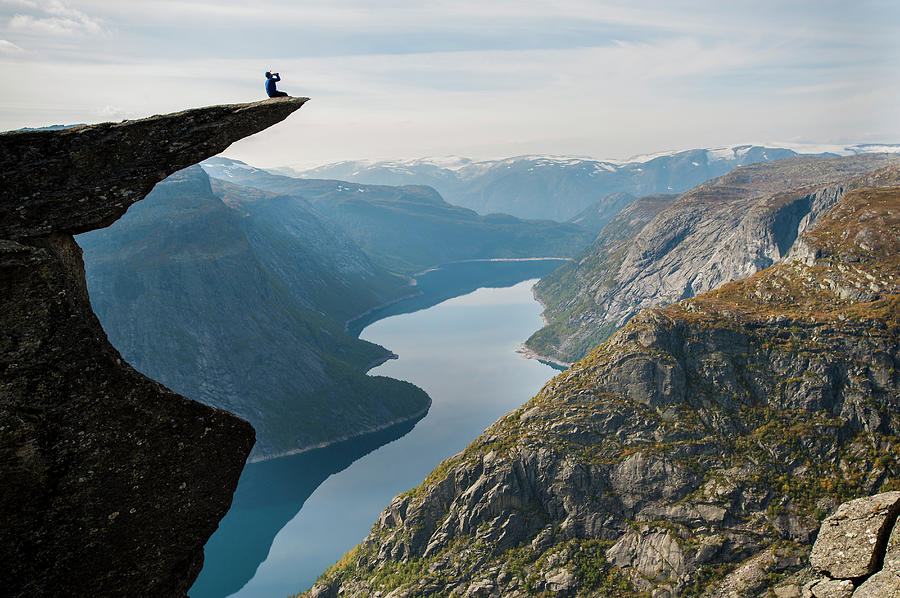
<point x="462" y="353"/>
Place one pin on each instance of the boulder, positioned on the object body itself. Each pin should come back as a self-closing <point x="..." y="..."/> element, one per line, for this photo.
<point x="887" y="581"/>
<point x="851" y="541"/>
<point x="831" y="588"/>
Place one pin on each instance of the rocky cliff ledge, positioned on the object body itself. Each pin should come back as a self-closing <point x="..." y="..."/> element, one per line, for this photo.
<point x="693" y="454"/>
<point x="110" y="483"/>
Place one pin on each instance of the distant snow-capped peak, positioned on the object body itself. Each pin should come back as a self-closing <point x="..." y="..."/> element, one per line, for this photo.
<point x="467" y="167"/>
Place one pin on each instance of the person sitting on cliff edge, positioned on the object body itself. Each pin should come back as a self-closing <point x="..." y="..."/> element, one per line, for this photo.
<point x="271" y="80"/>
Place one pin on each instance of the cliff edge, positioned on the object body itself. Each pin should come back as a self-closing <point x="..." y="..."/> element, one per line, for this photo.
<point x="110" y="484"/>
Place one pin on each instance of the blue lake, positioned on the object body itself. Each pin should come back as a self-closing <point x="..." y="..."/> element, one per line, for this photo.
<point x="295" y="516"/>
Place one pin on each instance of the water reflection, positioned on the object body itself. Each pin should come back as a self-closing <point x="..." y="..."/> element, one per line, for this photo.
<point x="460" y="278"/>
<point x="270" y="493"/>
<point x="465" y="338"/>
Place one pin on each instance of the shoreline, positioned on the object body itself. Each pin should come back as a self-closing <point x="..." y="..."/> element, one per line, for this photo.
<point x="528" y="353"/>
<point x="380" y="361"/>
<point x="375" y="308"/>
<point x="541" y="303"/>
<point x="494" y="259"/>
<point x="326" y="443"/>
<point x="413" y="282"/>
<point x="417" y="415"/>
<point x="523" y="350"/>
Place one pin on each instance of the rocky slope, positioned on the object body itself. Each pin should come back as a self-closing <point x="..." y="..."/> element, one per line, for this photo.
<point x="110" y="483"/>
<point x="410" y="228"/>
<point x="239" y="301"/>
<point x="725" y="229"/>
<point x="561" y="292"/>
<point x="597" y="215"/>
<point x="334" y="276"/>
<point x="703" y="440"/>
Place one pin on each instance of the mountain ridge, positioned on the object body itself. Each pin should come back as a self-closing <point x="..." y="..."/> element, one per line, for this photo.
<point x="410" y="228"/>
<point x="726" y="228"/>
<point x="273" y="350"/>
<point x="702" y="443"/>
<point x="559" y="187"/>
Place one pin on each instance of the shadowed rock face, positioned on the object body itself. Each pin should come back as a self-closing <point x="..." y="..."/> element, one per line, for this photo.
<point x="110" y="483"/>
<point x="83" y="178"/>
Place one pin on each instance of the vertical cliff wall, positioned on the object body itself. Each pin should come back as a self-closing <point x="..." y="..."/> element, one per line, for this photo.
<point x="110" y="483"/>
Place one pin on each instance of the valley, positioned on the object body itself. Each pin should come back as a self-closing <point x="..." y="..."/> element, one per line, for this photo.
<point x="461" y="351"/>
<point x="693" y="453"/>
<point x="651" y="251"/>
<point x="248" y="298"/>
<point x="449" y="299"/>
<point x="733" y="379"/>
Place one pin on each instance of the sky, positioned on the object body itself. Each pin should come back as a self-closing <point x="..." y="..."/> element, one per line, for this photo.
<point x="476" y="78"/>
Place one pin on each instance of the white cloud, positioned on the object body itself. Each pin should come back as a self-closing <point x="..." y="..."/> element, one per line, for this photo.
<point x="53" y="18"/>
<point x="822" y="88"/>
<point x="709" y="79"/>
<point x="114" y="113"/>
<point x="8" y="48"/>
<point x="31" y="4"/>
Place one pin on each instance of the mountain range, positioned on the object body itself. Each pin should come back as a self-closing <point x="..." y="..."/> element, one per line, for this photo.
<point x="560" y="188"/>
<point x="409" y="228"/>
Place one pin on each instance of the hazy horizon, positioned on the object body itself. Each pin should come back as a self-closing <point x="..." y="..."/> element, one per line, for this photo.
<point x="800" y="148"/>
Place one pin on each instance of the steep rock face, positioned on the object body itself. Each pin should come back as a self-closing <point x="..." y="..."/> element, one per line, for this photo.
<point x="598" y="214"/>
<point x="563" y="288"/>
<point x="227" y="304"/>
<point x="52" y="182"/>
<point x="110" y="483"/>
<point x="335" y="276"/>
<point x="694" y="453"/>
<point x="725" y="229"/>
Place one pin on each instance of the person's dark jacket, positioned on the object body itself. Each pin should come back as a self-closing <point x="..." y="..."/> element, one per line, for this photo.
<point x="271" y="90"/>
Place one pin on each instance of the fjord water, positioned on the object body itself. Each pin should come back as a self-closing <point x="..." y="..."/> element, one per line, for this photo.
<point x="462" y="353"/>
